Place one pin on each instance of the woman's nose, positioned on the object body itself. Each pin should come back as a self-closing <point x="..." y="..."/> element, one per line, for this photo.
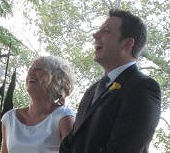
<point x="31" y="71"/>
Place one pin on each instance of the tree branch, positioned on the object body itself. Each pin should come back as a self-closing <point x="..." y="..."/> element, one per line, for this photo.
<point x="5" y="55"/>
<point x="111" y="4"/>
<point x="117" y="4"/>
<point x="162" y="118"/>
<point x="148" y="68"/>
<point x="4" y="82"/>
<point x="105" y="3"/>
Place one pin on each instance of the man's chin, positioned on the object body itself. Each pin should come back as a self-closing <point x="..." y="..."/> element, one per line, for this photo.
<point x="98" y="60"/>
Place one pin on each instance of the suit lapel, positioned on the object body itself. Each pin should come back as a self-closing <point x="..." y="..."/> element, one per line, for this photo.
<point x="121" y="79"/>
<point x="84" y="105"/>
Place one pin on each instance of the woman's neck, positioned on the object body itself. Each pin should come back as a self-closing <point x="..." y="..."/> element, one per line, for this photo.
<point x="40" y="106"/>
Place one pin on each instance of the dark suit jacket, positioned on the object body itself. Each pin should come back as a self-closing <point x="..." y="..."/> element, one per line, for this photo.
<point x="120" y="121"/>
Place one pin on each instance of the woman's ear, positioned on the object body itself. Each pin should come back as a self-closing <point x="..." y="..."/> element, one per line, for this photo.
<point x="49" y="78"/>
<point x="61" y="100"/>
<point x="46" y="80"/>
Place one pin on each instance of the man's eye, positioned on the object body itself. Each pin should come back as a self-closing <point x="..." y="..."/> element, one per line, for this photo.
<point x="105" y="31"/>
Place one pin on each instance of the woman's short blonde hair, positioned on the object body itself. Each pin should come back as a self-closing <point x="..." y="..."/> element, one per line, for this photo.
<point x="60" y="74"/>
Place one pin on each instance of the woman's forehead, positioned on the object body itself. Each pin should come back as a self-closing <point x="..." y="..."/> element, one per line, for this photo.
<point x="38" y="62"/>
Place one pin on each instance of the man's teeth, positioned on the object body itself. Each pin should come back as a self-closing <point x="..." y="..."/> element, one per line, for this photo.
<point x="98" y="47"/>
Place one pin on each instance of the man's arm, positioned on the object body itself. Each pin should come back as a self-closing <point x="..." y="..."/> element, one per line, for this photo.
<point x="137" y="118"/>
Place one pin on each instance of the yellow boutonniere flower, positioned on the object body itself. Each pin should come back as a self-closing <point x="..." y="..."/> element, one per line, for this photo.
<point x="115" y="86"/>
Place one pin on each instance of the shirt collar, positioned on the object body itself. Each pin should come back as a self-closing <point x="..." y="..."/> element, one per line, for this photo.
<point x="113" y="74"/>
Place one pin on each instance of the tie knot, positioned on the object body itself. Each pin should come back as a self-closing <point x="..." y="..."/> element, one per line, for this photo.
<point x="101" y="87"/>
<point x="105" y="79"/>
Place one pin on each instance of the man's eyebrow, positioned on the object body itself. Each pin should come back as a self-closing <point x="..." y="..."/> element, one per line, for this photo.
<point x="103" y="26"/>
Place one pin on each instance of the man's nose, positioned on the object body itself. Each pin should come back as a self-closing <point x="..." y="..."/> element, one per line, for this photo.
<point x="96" y="35"/>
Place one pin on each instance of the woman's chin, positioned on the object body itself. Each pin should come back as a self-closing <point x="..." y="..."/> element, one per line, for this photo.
<point x="31" y="90"/>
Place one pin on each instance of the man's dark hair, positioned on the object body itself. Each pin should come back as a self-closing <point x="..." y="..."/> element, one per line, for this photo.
<point x="132" y="27"/>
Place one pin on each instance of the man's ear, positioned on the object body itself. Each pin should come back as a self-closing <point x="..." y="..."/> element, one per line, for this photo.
<point x="128" y="46"/>
<point x="129" y="43"/>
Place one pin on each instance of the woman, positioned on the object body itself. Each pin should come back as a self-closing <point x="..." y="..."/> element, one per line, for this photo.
<point x="41" y="126"/>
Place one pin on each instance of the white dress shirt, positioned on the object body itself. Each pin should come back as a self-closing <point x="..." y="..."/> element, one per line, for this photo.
<point x="113" y="74"/>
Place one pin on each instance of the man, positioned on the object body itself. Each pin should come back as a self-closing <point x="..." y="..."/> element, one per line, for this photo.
<point x="122" y="118"/>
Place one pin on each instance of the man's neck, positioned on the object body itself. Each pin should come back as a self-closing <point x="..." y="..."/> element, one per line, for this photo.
<point x="110" y="67"/>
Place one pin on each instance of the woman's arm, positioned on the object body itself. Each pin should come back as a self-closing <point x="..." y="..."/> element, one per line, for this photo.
<point x="4" y="146"/>
<point x="65" y="126"/>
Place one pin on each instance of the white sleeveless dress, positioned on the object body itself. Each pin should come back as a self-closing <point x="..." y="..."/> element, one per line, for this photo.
<point x="44" y="137"/>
